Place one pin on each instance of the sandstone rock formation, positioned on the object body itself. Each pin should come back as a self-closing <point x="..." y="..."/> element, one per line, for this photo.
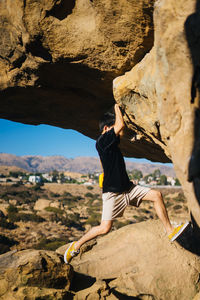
<point x="41" y="204"/>
<point x="99" y="290"/>
<point x="32" y="274"/>
<point x="58" y="60"/>
<point x="156" y="93"/>
<point x="136" y="261"/>
<point x="197" y="297"/>
<point x="139" y="260"/>
<point x="3" y="208"/>
<point x="59" y="56"/>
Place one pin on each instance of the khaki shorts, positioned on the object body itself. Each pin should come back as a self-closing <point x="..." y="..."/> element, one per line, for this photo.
<point x="114" y="204"/>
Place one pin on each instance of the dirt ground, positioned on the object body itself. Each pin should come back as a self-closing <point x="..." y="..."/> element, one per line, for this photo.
<point x="74" y="189"/>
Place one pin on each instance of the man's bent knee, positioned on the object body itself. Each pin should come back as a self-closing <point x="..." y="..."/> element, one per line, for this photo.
<point x="153" y="195"/>
<point x="105" y="228"/>
<point x="157" y="195"/>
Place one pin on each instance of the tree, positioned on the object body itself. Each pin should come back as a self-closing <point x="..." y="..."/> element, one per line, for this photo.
<point x="156" y="174"/>
<point x="148" y="178"/>
<point x="37" y="186"/>
<point x="163" y="180"/>
<point x="62" y="178"/>
<point x="137" y="174"/>
<point x="55" y="175"/>
<point x="177" y="182"/>
<point x="15" y="174"/>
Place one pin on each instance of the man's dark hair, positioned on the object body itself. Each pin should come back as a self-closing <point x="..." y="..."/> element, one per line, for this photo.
<point x="108" y="119"/>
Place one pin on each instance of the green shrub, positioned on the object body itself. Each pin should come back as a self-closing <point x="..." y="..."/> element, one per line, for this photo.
<point x="54" y="195"/>
<point x="12" y="192"/>
<point x="90" y="201"/>
<point x="5" y="224"/>
<point x="177" y="182"/>
<point x="89" y="195"/>
<point x="55" y="210"/>
<point x="6" y="243"/>
<point x="75" y="217"/>
<point x="66" y="194"/>
<point x="4" y="196"/>
<point x="30" y="217"/>
<point x="93" y="220"/>
<point x="16" y="174"/>
<point x="140" y="218"/>
<point x="13" y="213"/>
<point x="37" y="186"/>
<point x="70" y="200"/>
<point x="15" y="216"/>
<point x="67" y="201"/>
<point x="23" y="194"/>
<point x="45" y="244"/>
<point x="77" y="198"/>
<point x="143" y="210"/>
<point x="119" y="224"/>
<point x="19" y="183"/>
<point x="185" y="208"/>
<point x="12" y="209"/>
<point x="180" y="198"/>
<point x="176" y="207"/>
<point x="90" y="187"/>
<point x="168" y="204"/>
<point x="72" y="220"/>
<point x="90" y="210"/>
<point x="97" y="196"/>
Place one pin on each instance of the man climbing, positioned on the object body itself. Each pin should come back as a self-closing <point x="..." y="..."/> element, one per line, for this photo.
<point x="118" y="190"/>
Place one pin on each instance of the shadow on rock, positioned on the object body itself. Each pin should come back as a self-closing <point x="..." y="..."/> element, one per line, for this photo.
<point x="121" y="296"/>
<point x="189" y="239"/>
<point x="81" y="282"/>
<point x="62" y="9"/>
<point x="192" y="30"/>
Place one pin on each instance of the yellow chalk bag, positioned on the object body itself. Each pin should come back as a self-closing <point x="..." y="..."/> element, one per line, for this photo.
<point x="101" y="177"/>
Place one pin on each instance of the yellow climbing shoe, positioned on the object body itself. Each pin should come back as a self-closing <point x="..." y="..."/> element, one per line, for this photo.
<point x="70" y="253"/>
<point x="177" y="231"/>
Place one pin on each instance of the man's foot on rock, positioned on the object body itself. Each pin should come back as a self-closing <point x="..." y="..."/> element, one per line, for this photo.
<point x="177" y="231"/>
<point x="70" y="253"/>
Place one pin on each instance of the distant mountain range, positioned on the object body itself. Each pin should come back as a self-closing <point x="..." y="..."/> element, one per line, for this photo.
<point x="83" y="165"/>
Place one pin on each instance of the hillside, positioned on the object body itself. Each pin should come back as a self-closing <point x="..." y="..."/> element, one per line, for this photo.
<point x="78" y="164"/>
<point x="5" y="170"/>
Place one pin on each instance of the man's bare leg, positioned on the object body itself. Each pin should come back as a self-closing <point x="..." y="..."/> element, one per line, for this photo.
<point x="103" y="228"/>
<point x="157" y="199"/>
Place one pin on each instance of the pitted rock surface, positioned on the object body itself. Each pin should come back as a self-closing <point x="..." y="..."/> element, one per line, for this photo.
<point x="33" y="274"/>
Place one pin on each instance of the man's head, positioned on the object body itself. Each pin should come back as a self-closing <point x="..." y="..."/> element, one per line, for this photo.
<point x="107" y="121"/>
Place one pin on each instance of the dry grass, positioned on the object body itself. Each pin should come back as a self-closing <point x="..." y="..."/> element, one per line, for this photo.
<point x="5" y="170"/>
<point x="77" y="211"/>
<point x="74" y="189"/>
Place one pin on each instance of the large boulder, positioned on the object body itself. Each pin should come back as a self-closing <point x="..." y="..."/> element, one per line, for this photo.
<point x="156" y="93"/>
<point x="4" y="207"/>
<point x="58" y="58"/>
<point x="138" y="260"/>
<point x="41" y="204"/>
<point x="34" y="274"/>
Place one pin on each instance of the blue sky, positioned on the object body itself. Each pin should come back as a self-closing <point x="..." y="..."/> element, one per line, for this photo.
<point x="21" y="139"/>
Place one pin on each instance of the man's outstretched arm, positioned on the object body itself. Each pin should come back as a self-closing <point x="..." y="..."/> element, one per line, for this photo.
<point x="119" y="122"/>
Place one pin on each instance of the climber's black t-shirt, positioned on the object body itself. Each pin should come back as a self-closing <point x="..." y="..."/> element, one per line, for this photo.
<point x="115" y="176"/>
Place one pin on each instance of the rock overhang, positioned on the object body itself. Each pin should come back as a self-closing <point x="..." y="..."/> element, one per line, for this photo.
<point x="58" y="62"/>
